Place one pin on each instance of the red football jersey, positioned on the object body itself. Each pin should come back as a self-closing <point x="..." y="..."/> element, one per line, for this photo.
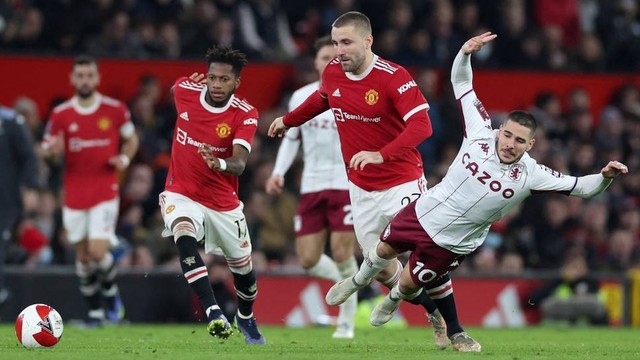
<point x="370" y="111"/>
<point x="200" y="123"/>
<point x="91" y="136"/>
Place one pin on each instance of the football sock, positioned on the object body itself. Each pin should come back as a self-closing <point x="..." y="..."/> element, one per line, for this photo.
<point x="441" y="292"/>
<point x="107" y="271"/>
<point x="195" y="271"/>
<point x="347" y="268"/>
<point x="370" y="267"/>
<point x="395" y="294"/>
<point x="246" y="290"/>
<point x="326" y="268"/>
<point x="424" y="300"/>
<point x="90" y="288"/>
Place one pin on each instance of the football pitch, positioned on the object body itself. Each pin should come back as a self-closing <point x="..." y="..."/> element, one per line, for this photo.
<point x="190" y="342"/>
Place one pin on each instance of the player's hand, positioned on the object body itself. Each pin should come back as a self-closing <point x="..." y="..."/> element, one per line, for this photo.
<point x="613" y="169"/>
<point x="53" y="145"/>
<point x="363" y="158"/>
<point x="274" y="185"/>
<point x="120" y="162"/>
<point x="199" y="78"/>
<point x="277" y="128"/>
<point x="477" y="42"/>
<point x="207" y="154"/>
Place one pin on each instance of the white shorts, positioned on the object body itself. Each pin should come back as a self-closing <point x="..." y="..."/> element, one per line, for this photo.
<point x="373" y="210"/>
<point x="224" y="232"/>
<point x="95" y="223"/>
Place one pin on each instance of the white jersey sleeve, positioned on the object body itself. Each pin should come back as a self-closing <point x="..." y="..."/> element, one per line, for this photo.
<point x="545" y="179"/>
<point x="287" y="152"/>
<point x="477" y="123"/>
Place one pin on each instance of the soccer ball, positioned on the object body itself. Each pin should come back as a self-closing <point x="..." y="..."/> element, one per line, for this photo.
<point x="39" y="325"/>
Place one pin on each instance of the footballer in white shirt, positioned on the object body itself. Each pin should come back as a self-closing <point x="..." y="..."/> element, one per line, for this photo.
<point x="491" y="174"/>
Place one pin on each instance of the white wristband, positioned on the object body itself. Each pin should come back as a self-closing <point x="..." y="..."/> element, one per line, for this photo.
<point x="125" y="159"/>
<point x="223" y="165"/>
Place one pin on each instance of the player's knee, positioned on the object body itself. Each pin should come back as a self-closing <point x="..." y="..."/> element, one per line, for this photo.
<point x="307" y="261"/>
<point x="183" y="228"/>
<point x="240" y="266"/>
<point x="97" y="253"/>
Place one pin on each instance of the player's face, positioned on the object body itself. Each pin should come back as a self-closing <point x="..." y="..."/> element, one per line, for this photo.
<point x="351" y="48"/>
<point x="513" y="140"/>
<point x="324" y="55"/>
<point x="221" y="84"/>
<point x="85" y="79"/>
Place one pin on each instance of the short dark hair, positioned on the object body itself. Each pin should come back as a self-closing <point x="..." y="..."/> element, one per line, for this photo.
<point x="322" y="42"/>
<point x="226" y="55"/>
<point x="525" y="119"/>
<point x="357" y="19"/>
<point x="85" y="60"/>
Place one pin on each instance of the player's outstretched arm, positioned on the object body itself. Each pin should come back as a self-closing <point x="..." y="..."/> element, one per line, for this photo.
<point x="591" y="185"/>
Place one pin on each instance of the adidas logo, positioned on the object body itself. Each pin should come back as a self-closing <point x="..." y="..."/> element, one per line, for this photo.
<point x="185" y="116"/>
<point x="336" y="93"/>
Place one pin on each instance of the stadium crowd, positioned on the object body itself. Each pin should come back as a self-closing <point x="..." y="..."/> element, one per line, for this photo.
<point x="586" y="36"/>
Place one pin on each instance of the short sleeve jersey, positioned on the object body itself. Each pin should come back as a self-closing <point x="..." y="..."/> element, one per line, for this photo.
<point x="478" y="189"/>
<point x="371" y="110"/>
<point x="91" y="137"/>
<point x="197" y="124"/>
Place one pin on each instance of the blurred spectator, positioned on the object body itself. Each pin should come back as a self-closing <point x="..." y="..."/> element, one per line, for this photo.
<point x="573" y="296"/>
<point x="264" y="30"/>
<point x="623" y="253"/>
<point x="116" y="39"/>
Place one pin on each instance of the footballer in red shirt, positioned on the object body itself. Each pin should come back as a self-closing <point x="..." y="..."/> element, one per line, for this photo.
<point x="98" y="139"/>
<point x="212" y="141"/>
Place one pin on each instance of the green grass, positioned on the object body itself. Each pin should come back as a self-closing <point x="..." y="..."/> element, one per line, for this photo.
<point x="190" y="342"/>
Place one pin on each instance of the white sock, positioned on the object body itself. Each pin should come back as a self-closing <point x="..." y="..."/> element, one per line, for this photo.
<point x="370" y="267"/>
<point x="348" y="308"/>
<point x="326" y="268"/>
<point x="397" y="294"/>
<point x="348" y="268"/>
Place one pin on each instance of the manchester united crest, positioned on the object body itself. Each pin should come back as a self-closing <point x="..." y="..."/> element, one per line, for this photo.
<point x="223" y="130"/>
<point x="516" y="171"/>
<point x="104" y="124"/>
<point x="371" y="97"/>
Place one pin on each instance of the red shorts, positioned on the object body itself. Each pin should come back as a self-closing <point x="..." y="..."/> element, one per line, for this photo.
<point x="427" y="261"/>
<point x="329" y="209"/>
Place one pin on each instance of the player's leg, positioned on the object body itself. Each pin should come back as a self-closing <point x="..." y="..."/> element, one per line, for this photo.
<point x="228" y="231"/>
<point x="342" y="248"/>
<point x="374" y="262"/>
<point x="102" y="224"/>
<point x="311" y="234"/>
<point x="343" y="242"/>
<point x="76" y="224"/>
<point x="310" y="252"/>
<point x="184" y="219"/>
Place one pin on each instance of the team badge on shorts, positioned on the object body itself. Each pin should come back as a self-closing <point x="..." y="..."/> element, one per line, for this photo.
<point x="387" y="232"/>
<point x="371" y="97"/>
<point x="170" y="208"/>
<point x="223" y="130"/>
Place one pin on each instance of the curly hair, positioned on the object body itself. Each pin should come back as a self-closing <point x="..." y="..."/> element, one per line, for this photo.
<point x="226" y="55"/>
